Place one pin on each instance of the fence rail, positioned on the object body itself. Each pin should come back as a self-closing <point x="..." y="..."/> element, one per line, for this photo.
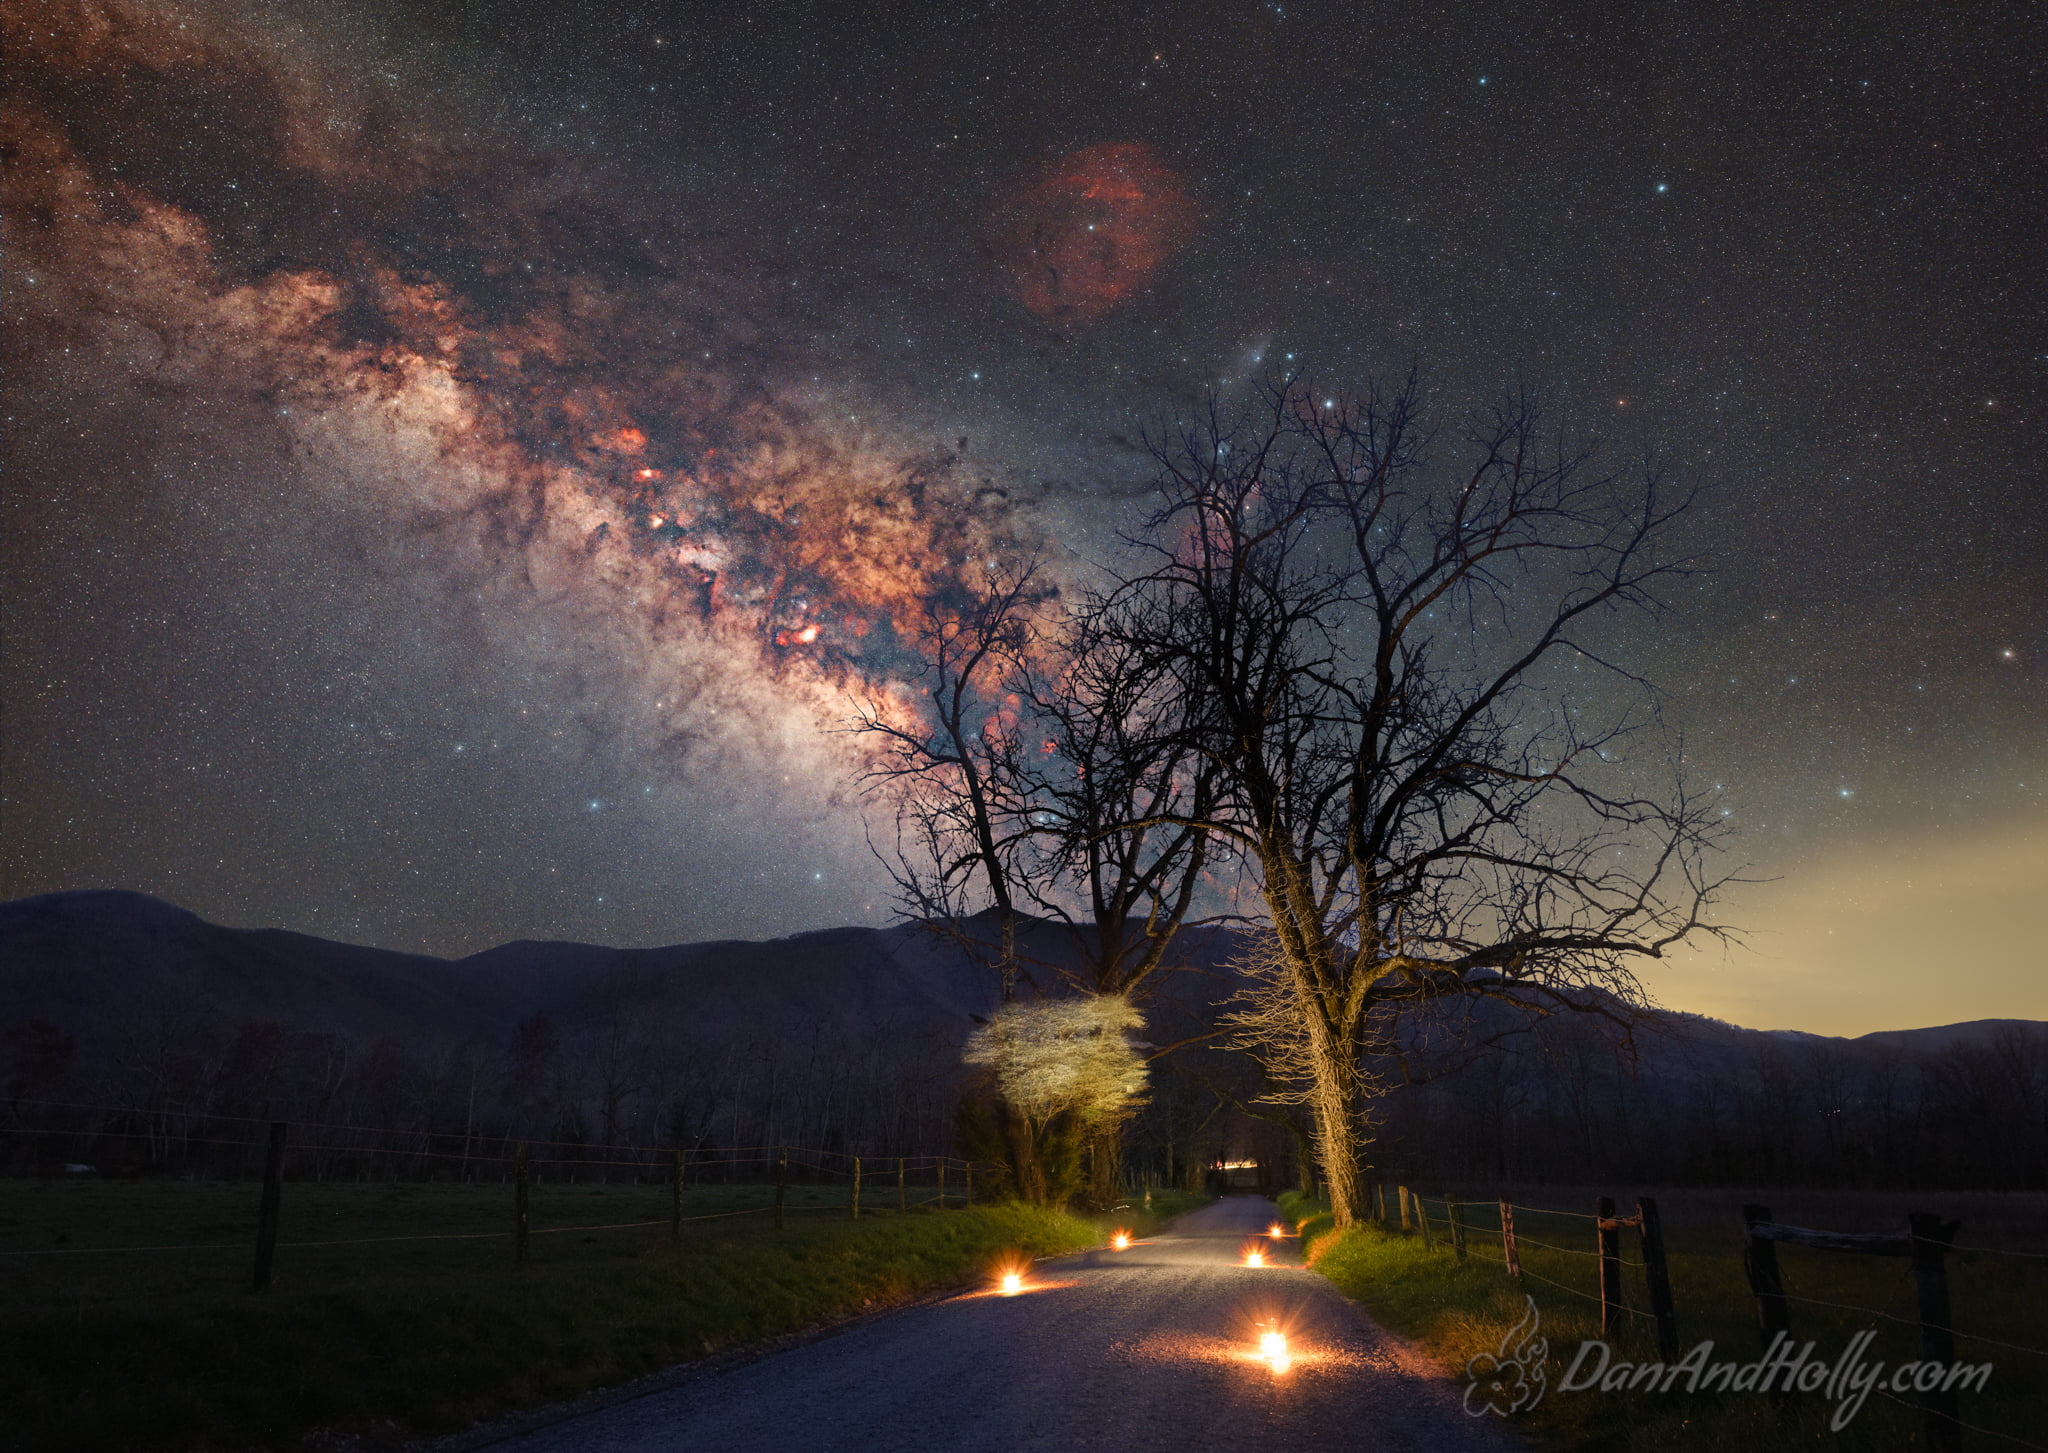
<point x="161" y="1138"/>
<point x="920" y="1181"/>
<point x="1926" y="1244"/>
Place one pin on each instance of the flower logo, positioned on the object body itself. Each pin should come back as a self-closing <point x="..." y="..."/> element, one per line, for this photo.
<point x="1512" y="1380"/>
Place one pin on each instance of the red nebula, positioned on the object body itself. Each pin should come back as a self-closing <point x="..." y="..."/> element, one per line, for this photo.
<point x="1090" y="231"/>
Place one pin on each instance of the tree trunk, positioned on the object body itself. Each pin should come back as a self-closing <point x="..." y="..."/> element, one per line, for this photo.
<point x="1338" y="1102"/>
<point x="1304" y="1156"/>
<point x="1339" y="1107"/>
<point x="1105" y="1159"/>
<point x="1023" y="1138"/>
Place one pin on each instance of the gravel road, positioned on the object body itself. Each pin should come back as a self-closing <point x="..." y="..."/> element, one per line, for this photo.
<point x="1149" y="1348"/>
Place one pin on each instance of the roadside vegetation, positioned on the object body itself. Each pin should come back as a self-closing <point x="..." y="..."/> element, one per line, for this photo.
<point x="389" y="1339"/>
<point x="1454" y="1312"/>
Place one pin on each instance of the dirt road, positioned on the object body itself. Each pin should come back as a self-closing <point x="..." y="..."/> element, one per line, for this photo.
<point x="1149" y="1348"/>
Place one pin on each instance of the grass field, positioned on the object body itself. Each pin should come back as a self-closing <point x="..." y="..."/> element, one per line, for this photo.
<point x="1455" y="1312"/>
<point x="143" y="1349"/>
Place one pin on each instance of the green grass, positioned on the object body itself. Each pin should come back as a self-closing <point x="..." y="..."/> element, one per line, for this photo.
<point x="1455" y="1311"/>
<point x="160" y="1350"/>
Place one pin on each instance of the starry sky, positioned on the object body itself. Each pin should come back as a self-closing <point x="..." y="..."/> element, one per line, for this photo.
<point x="460" y="458"/>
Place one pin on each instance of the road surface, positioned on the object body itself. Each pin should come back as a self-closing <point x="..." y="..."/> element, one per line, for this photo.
<point x="1149" y="1348"/>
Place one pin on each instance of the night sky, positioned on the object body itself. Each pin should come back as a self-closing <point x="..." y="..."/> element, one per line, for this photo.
<point x="460" y="457"/>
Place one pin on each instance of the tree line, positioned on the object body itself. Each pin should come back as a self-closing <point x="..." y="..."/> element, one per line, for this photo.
<point x="1716" y="1106"/>
<point x="162" y="1091"/>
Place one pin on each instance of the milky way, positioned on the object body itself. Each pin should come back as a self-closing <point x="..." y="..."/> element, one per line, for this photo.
<point x="572" y="421"/>
<point x="461" y="459"/>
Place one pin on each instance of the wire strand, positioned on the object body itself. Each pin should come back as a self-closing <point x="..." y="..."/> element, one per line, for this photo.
<point x="1967" y="1427"/>
<point x="924" y="1160"/>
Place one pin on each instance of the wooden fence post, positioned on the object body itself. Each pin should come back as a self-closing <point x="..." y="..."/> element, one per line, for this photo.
<point x="522" y="1177"/>
<point x="1760" y="1260"/>
<point x="1610" y="1266"/>
<point x="856" y="1188"/>
<point x="675" y="1200"/>
<point x="1651" y="1227"/>
<point x="781" y="1185"/>
<point x="1932" y="1238"/>
<point x="902" y="1195"/>
<point x="1509" y="1252"/>
<point x="273" y="1202"/>
<point x="967" y="1183"/>
<point x="1422" y="1215"/>
<point x="1457" y="1214"/>
<point x="942" y="1183"/>
<point x="1404" y="1207"/>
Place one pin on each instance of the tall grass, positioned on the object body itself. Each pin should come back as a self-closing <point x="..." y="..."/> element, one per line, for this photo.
<point x="1456" y="1311"/>
<point x="170" y="1350"/>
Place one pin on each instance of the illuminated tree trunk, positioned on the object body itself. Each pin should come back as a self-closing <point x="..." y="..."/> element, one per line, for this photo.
<point x="1330" y="996"/>
<point x="1338" y="1102"/>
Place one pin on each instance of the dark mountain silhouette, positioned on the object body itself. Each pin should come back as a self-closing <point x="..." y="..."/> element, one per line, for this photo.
<point x="78" y="959"/>
<point x="853" y="1035"/>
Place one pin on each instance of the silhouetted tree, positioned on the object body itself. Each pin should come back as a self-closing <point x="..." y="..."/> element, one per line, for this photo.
<point x="1029" y="773"/>
<point x="1388" y="667"/>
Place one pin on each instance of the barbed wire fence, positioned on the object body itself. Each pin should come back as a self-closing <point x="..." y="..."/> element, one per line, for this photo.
<point x="340" y="1154"/>
<point x="1925" y="1245"/>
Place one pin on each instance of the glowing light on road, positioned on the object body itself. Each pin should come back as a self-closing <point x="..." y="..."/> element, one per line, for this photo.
<point x="1013" y="1283"/>
<point x="1273" y="1349"/>
<point x="1255" y="1258"/>
<point x="1274" y="1231"/>
<point x="1121" y="1241"/>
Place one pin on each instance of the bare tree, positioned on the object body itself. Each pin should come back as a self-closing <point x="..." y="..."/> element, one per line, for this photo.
<point x="949" y="758"/>
<point x="1030" y="772"/>
<point x="1113" y="794"/>
<point x="1392" y="671"/>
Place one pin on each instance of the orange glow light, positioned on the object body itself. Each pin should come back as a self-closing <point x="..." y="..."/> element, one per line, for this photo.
<point x="1013" y="1283"/>
<point x="1273" y="1349"/>
<point x="1121" y="1241"/>
<point x="1255" y="1258"/>
<point x="1274" y="1231"/>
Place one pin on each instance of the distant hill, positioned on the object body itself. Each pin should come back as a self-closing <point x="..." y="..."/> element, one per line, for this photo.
<point x="854" y="1035"/>
<point x="82" y="959"/>
<point x="76" y="957"/>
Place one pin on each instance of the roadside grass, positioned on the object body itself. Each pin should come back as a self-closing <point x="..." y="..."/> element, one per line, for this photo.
<point x="387" y="1339"/>
<point x="1455" y="1311"/>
